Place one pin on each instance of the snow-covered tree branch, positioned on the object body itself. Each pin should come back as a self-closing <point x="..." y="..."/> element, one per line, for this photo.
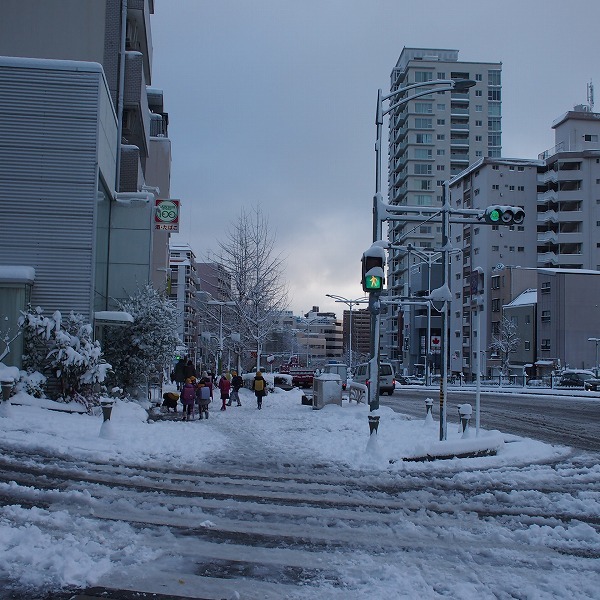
<point x="505" y="342"/>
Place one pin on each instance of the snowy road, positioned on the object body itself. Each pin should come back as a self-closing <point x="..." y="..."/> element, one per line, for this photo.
<point x="265" y="522"/>
<point x="556" y="417"/>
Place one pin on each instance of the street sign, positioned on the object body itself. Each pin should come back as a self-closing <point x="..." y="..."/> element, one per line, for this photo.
<point x="166" y="215"/>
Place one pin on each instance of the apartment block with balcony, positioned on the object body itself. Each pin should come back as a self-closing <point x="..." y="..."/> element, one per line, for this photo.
<point x="432" y="139"/>
<point x="568" y="205"/>
<point x="492" y="264"/>
<point x="184" y="288"/>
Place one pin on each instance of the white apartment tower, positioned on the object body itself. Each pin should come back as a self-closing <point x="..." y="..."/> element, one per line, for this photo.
<point x="432" y="139"/>
<point x="569" y="194"/>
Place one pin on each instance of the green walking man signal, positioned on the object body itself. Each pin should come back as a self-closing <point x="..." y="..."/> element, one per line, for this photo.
<point x="373" y="261"/>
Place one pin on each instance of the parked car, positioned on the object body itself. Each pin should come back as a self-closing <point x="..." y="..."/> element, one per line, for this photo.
<point x="410" y="380"/>
<point x="584" y="379"/>
<point x="387" y="382"/>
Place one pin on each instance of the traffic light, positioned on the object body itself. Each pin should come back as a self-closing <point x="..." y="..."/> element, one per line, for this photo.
<point x="373" y="261"/>
<point x="504" y="215"/>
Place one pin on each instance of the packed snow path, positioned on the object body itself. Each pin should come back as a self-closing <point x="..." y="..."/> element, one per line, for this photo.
<point x="262" y="522"/>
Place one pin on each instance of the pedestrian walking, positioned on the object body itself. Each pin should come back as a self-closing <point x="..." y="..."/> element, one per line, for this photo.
<point x="203" y="398"/>
<point x="188" y="395"/>
<point x="179" y="373"/>
<point x="259" y="385"/>
<point x="236" y="384"/>
<point x="189" y="369"/>
<point x="224" y="387"/>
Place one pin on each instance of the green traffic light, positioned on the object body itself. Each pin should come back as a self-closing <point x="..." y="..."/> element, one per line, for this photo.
<point x="494" y="215"/>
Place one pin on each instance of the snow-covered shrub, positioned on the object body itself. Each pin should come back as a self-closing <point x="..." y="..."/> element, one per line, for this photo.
<point x="142" y="350"/>
<point x="65" y="350"/>
<point x="33" y="384"/>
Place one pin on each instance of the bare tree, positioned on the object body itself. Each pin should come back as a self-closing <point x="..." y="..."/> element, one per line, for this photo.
<point x="505" y="342"/>
<point x="257" y="277"/>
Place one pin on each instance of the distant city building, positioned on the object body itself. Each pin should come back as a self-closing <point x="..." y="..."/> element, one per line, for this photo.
<point x="361" y="334"/>
<point x="569" y="193"/>
<point x="483" y="273"/>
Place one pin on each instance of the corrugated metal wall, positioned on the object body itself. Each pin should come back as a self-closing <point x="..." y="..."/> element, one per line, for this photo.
<point x="48" y="180"/>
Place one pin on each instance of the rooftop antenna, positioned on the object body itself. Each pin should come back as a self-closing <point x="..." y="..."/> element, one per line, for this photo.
<point x="590" y="95"/>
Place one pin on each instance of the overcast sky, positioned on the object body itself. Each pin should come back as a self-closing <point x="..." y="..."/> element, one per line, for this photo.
<point x="272" y="103"/>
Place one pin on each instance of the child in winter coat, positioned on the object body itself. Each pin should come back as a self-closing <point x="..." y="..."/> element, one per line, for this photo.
<point x="188" y="395"/>
<point x="259" y="385"/>
<point x="203" y="393"/>
<point x="224" y="387"/>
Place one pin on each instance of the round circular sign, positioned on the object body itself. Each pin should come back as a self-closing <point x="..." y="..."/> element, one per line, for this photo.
<point x="166" y="211"/>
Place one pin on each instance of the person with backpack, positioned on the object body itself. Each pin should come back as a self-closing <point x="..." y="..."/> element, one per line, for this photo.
<point x="188" y="395"/>
<point x="236" y="384"/>
<point x="203" y="397"/>
<point x="224" y="387"/>
<point x="259" y="385"/>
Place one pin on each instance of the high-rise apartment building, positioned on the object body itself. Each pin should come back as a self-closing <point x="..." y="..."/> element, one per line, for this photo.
<point x="431" y="139"/>
<point x="569" y="193"/>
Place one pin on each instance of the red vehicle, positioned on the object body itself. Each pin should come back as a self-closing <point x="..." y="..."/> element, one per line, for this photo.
<point x="301" y="376"/>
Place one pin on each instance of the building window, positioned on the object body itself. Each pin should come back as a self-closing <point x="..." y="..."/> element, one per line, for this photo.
<point x="590" y="138"/>
<point x="478" y="77"/>
<point x="545" y="316"/>
<point x="478" y="123"/>
<point x="495" y="248"/>
<point x="545" y="344"/>
<point x="527" y="345"/>
<point x="441" y="152"/>
<point x="478" y="108"/>
<point x="423" y="123"/>
<point x="478" y="93"/>
<point x="479" y="138"/>
<point x="527" y="320"/>
<point x="423" y="153"/>
<point x="496" y="281"/>
<point x="520" y="248"/>
<point x="441" y="167"/>
<point x="441" y="107"/>
<point x="441" y="121"/>
<point x="521" y="169"/>
<point x="496" y="186"/>
<point x="422" y="76"/>
<point x="545" y="287"/>
<point x="511" y="188"/>
<point x="422" y="169"/>
<point x="422" y="108"/>
<point x="520" y="188"/>
<point x="441" y="136"/>
<point x="478" y="153"/>
<point x="423" y="200"/>
<point x="495" y="95"/>
<point x="424" y="138"/>
<point x="496" y="305"/>
<point x="441" y="75"/>
<point x="494" y="76"/>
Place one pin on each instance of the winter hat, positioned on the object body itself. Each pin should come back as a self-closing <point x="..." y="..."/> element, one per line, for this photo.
<point x="204" y="374"/>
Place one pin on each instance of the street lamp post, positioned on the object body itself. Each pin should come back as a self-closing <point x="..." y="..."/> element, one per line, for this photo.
<point x="350" y="304"/>
<point x="220" y="304"/>
<point x="597" y="341"/>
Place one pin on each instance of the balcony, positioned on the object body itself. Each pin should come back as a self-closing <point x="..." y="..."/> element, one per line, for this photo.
<point x="549" y="216"/>
<point x="547" y="259"/>
<point x="547" y="237"/>
<point x="547" y="196"/>
<point x="547" y="177"/>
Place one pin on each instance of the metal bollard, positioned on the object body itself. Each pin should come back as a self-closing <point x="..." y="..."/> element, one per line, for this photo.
<point x="373" y="424"/>
<point x="7" y="387"/>
<point x="465" y="411"/>
<point x="429" y="407"/>
<point x="107" y="406"/>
